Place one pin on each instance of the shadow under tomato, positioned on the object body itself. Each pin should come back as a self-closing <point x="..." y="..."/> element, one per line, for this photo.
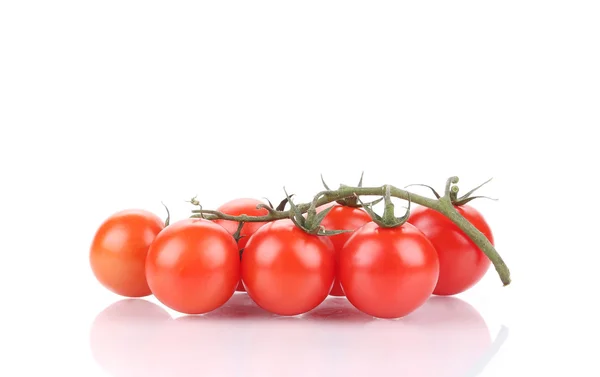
<point x="445" y="337"/>
<point x="239" y="307"/>
<point x="336" y="310"/>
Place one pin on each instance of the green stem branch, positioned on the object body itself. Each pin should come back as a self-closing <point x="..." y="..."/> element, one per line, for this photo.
<point x="443" y="205"/>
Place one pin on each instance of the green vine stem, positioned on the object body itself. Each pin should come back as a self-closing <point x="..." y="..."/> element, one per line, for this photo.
<point x="443" y="205"/>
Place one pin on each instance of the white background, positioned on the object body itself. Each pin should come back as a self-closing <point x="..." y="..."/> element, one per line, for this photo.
<point x="106" y="105"/>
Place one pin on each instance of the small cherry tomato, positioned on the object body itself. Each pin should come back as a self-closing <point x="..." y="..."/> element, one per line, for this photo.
<point x="286" y="270"/>
<point x="343" y="218"/>
<point x="237" y="207"/>
<point x="388" y="272"/>
<point x="462" y="263"/>
<point x="193" y="266"/>
<point x="119" y="249"/>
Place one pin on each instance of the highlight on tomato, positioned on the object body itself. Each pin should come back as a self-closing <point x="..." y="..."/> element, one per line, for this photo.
<point x="119" y="248"/>
<point x="193" y="266"/>
<point x="462" y="263"/>
<point x="287" y="270"/>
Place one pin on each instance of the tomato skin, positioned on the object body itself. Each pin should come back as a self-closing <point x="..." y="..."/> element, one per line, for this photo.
<point x="339" y="218"/>
<point x="237" y="207"/>
<point x="462" y="263"/>
<point x="287" y="271"/>
<point x="388" y="272"/>
<point x="119" y="249"/>
<point x="193" y="266"/>
<point x="242" y="206"/>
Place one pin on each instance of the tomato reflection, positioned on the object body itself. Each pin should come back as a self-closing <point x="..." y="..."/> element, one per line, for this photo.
<point x="445" y="337"/>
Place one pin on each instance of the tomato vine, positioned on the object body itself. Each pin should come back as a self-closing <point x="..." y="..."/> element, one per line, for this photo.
<point x="444" y="204"/>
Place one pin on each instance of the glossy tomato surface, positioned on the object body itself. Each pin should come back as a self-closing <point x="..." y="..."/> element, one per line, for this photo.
<point x="388" y="272"/>
<point x="119" y="249"/>
<point x="193" y="266"/>
<point x="286" y="270"/>
<point x="343" y="218"/>
<point x="237" y="207"/>
<point x="462" y="263"/>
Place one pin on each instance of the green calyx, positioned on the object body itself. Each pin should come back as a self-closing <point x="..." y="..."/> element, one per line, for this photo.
<point x="451" y="192"/>
<point x="389" y="219"/>
<point x="351" y="201"/>
<point x="280" y="206"/>
<point x="312" y="222"/>
<point x="466" y="198"/>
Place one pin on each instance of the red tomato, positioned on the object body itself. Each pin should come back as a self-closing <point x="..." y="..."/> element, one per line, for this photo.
<point x="119" y="248"/>
<point x="462" y="263"/>
<point x="237" y="207"/>
<point x="348" y="218"/>
<point x="388" y="272"/>
<point x="286" y="270"/>
<point x="193" y="266"/>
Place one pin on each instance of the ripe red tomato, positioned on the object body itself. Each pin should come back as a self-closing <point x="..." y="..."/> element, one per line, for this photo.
<point x="193" y="266"/>
<point x="348" y="218"/>
<point x="119" y="248"/>
<point x="237" y="207"/>
<point x="388" y="272"/>
<point x="286" y="270"/>
<point x="462" y="263"/>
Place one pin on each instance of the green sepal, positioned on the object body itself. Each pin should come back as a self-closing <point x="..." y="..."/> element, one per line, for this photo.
<point x="388" y="220"/>
<point x="168" y="219"/>
<point x="324" y="184"/>
<point x="362" y="173"/>
<point x="319" y="217"/>
<point x="295" y="213"/>
<point x="466" y="198"/>
<point x="283" y="203"/>
<point x="268" y="201"/>
<point x="350" y="201"/>
<point x="374" y="216"/>
<point x="468" y="194"/>
<point x="404" y="218"/>
<point x="461" y="202"/>
<point x="312" y="223"/>
<point x="437" y="196"/>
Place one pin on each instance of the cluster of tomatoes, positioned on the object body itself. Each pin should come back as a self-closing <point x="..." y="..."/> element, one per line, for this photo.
<point x="195" y="265"/>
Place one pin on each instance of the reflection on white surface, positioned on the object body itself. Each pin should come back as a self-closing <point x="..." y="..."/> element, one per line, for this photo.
<point x="446" y="337"/>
